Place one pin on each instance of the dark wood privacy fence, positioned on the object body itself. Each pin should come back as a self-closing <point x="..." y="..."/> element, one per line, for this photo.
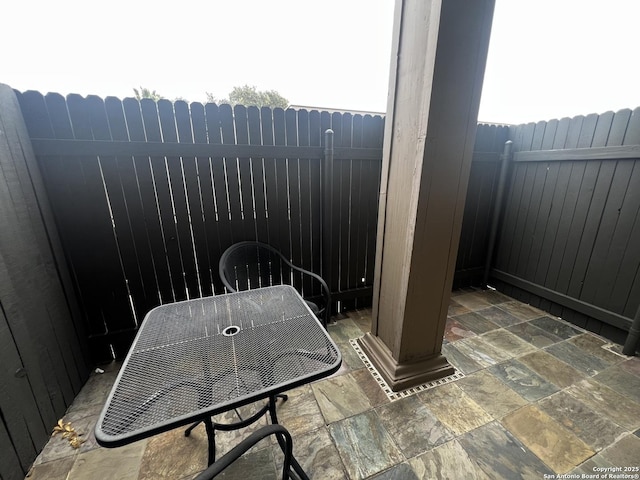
<point x="43" y="357"/>
<point x="147" y="196"/>
<point x="570" y="239"/>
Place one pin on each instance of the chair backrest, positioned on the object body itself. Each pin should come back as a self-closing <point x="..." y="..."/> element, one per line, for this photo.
<point x="248" y="265"/>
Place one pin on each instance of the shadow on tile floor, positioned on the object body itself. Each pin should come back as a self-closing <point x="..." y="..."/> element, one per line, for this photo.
<point x="539" y="396"/>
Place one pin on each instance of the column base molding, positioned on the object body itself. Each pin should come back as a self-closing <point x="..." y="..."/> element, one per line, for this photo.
<point x="401" y="376"/>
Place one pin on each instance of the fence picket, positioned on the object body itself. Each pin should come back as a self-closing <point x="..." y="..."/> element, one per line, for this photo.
<point x="281" y="187"/>
<point x="136" y="263"/>
<point x="257" y="176"/>
<point x="138" y="184"/>
<point x="293" y="182"/>
<point x="162" y="194"/>
<point x="306" y="201"/>
<point x="194" y="210"/>
<point x="224" y="225"/>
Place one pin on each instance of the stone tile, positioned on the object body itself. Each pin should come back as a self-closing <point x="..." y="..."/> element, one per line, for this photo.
<point x="399" y="472"/>
<point x="95" y="391"/>
<point x="85" y="428"/>
<point x="413" y="427"/>
<point x="459" y="360"/>
<point x="593" y="345"/>
<point x="556" y="327"/>
<point x="454" y="408"/>
<point x="343" y="370"/>
<point x="534" y="335"/>
<point x="553" y="444"/>
<point x="551" y="368"/>
<point x="344" y="330"/>
<point x="624" y="453"/>
<point x="632" y="366"/>
<point x="83" y="420"/>
<point x="608" y="402"/>
<point x="362" y="319"/>
<point x="364" y="445"/>
<point x="589" y="426"/>
<point x="525" y="382"/>
<point x="499" y="316"/>
<point x="253" y="465"/>
<point x="340" y="397"/>
<point x="473" y="300"/>
<point x="171" y="455"/>
<point x="476" y="323"/>
<point x="300" y="413"/>
<point x="454" y="330"/>
<point x="456" y="309"/>
<point x="317" y="455"/>
<point x="55" y="449"/>
<point x="621" y="381"/>
<point x="55" y="470"/>
<point x="449" y="461"/>
<point x="491" y="394"/>
<point x="521" y="310"/>
<point x="350" y="357"/>
<point x="495" y="297"/>
<point x="577" y="358"/>
<point x="122" y="463"/>
<point x="508" y="342"/>
<point x="226" y="440"/>
<point x="370" y="387"/>
<point x="500" y="455"/>
<point x="480" y="351"/>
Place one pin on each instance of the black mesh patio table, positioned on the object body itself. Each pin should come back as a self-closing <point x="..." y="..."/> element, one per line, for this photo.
<point x="197" y="358"/>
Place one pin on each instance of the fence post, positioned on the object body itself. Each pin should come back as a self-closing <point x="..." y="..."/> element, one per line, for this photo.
<point x="327" y="209"/>
<point x="505" y="160"/>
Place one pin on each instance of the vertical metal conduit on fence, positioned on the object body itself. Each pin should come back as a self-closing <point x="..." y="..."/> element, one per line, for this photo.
<point x="505" y="161"/>
<point x="327" y="208"/>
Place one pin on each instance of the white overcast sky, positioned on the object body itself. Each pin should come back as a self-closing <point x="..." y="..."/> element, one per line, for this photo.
<point x="547" y="58"/>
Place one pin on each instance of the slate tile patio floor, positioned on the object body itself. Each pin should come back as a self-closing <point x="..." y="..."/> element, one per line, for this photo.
<point x="540" y="396"/>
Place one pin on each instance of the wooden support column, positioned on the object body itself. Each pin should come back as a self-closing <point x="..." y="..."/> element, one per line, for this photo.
<point x="438" y="59"/>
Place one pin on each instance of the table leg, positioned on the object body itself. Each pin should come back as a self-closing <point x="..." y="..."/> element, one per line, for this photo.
<point x="211" y="439"/>
<point x="274" y="419"/>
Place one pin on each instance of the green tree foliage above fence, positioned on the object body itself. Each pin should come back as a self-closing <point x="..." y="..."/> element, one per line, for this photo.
<point x="147" y="93"/>
<point x="250" y="95"/>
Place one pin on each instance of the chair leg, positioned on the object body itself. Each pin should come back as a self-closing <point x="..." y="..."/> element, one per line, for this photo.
<point x="187" y="432"/>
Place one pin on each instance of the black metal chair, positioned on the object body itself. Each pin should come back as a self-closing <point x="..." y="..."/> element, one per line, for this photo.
<point x="284" y="439"/>
<point x="247" y="265"/>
